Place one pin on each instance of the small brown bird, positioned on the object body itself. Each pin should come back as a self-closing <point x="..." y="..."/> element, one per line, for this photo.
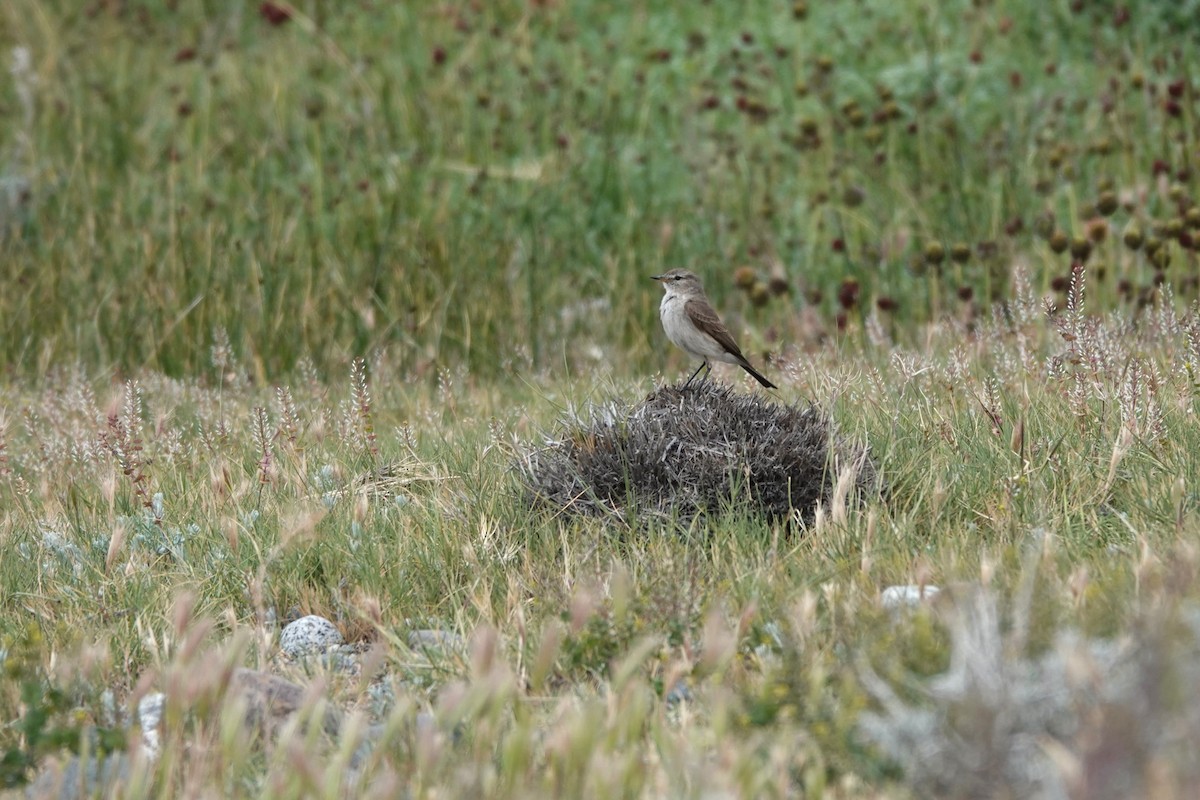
<point x="693" y="326"/>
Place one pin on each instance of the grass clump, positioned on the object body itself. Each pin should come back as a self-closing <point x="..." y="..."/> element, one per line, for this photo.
<point x="686" y="450"/>
<point x="53" y="715"/>
<point x="1087" y="717"/>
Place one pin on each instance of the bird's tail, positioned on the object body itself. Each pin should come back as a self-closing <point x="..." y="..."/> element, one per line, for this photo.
<point x="755" y="374"/>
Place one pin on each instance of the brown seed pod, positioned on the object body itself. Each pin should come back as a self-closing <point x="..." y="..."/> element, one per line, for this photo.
<point x="934" y="253"/>
<point x="759" y="294"/>
<point x="1059" y="242"/>
<point x="1132" y="236"/>
<point x="1107" y="203"/>
<point x="745" y="277"/>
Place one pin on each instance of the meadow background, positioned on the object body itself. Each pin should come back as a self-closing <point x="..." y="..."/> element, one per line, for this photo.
<point x="290" y="289"/>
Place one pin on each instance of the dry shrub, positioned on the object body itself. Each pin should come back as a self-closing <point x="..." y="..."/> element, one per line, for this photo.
<point x="1091" y="718"/>
<point x="686" y="450"/>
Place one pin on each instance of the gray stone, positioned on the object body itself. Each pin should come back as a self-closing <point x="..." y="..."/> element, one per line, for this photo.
<point x="82" y="778"/>
<point x="150" y="717"/>
<point x="271" y="701"/>
<point x="432" y="639"/>
<point x="679" y="693"/>
<point x="309" y="635"/>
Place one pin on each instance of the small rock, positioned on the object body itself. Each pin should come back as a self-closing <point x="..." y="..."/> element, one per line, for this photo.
<point x="271" y="701"/>
<point x="432" y="639"/>
<point x="150" y="717"/>
<point x="309" y="635"/>
<point x="895" y="598"/>
<point x="82" y="778"/>
<point x="679" y="693"/>
<point x="382" y="697"/>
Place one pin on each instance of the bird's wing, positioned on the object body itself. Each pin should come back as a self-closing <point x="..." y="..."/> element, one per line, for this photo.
<point x="703" y="317"/>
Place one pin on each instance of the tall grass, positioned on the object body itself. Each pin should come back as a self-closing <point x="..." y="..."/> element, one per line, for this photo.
<point x="322" y="182"/>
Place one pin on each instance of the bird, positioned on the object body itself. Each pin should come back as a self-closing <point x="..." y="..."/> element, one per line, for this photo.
<point x="693" y="326"/>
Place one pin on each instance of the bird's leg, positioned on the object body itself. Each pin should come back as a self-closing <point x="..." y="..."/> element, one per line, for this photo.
<point x="703" y="364"/>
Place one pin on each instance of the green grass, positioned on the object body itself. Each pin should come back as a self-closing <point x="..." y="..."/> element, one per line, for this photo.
<point x="380" y="178"/>
<point x="206" y="207"/>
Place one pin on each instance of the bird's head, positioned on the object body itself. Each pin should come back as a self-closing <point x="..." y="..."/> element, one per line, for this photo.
<point x="679" y="281"/>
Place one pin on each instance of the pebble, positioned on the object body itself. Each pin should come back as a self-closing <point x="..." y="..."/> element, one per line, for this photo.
<point x="80" y="778"/>
<point x="895" y="598"/>
<point x="432" y="639"/>
<point x="311" y="635"/>
<point x="679" y="693"/>
<point x="150" y="717"/>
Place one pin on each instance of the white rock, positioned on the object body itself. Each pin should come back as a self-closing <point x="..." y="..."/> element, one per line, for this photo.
<point x="910" y="595"/>
<point x="309" y="635"/>
<point x="150" y="717"/>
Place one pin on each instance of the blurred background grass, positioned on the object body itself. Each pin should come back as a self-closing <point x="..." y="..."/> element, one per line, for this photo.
<point x="487" y="185"/>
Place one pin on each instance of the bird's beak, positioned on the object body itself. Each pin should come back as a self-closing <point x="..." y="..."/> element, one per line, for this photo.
<point x="657" y="277"/>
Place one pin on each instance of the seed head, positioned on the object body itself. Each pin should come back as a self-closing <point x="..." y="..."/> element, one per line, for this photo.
<point x="274" y="13"/>
<point x="934" y="253"/>
<point x="1107" y="203"/>
<point x="960" y="252"/>
<point x="745" y="277"/>
<point x="848" y="293"/>
<point x="1081" y="248"/>
<point x="1132" y="236"/>
<point x="1059" y="241"/>
<point x="778" y="283"/>
<point x="759" y="294"/>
